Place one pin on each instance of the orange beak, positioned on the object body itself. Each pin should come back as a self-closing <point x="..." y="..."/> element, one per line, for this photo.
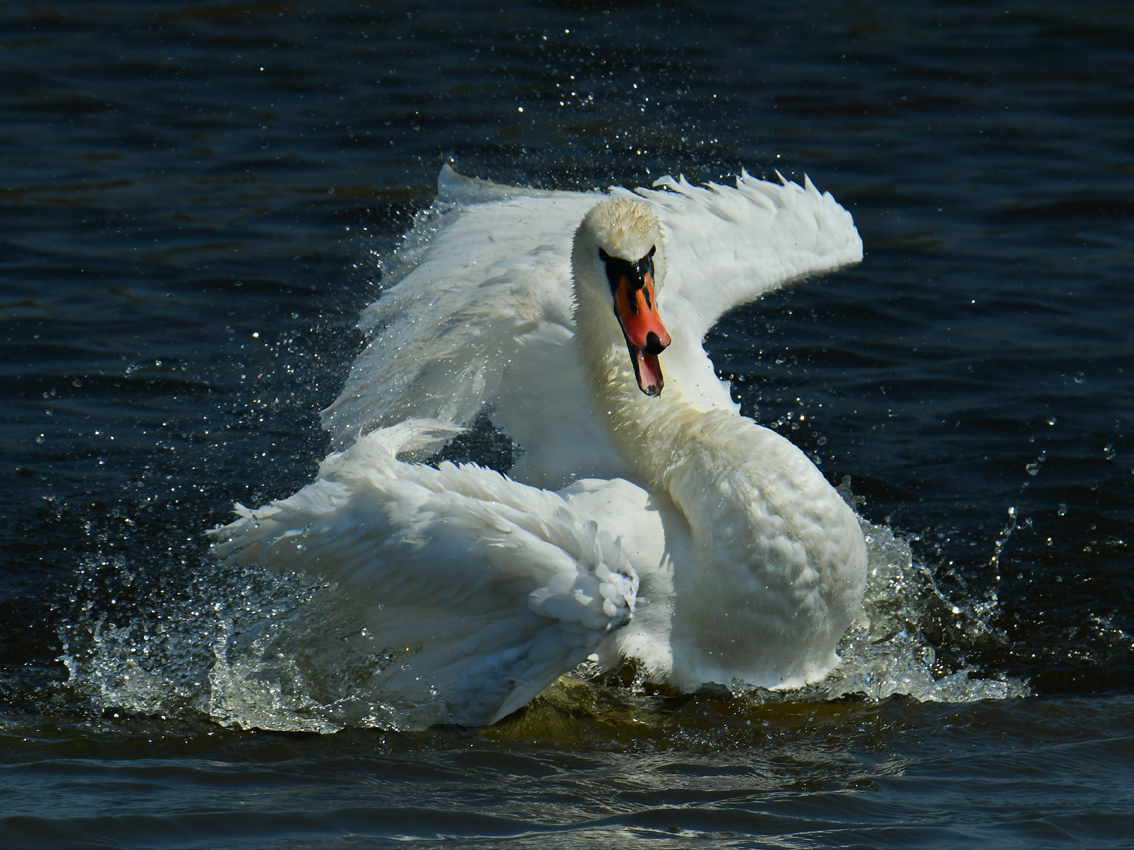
<point x="646" y="336"/>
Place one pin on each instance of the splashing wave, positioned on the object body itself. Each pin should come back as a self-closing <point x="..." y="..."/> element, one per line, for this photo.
<point x="251" y="649"/>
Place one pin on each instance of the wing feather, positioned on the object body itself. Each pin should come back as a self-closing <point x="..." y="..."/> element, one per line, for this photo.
<point x="727" y="246"/>
<point x="480" y="590"/>
<point x="476" y="305"/>
<point x="483" y="272"/>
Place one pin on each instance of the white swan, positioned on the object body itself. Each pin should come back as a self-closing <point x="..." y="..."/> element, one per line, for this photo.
<point x="710" y="550"/>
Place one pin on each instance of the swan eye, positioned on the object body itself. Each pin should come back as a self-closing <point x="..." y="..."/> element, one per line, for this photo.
<point x="646" y="264"/>
<point x="634" y="273"/>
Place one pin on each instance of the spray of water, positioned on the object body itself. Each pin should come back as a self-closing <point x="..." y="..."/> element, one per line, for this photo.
<point x="252" y="649"/>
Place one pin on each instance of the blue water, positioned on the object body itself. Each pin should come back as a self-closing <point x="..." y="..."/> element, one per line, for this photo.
<point x="194" y="203"/>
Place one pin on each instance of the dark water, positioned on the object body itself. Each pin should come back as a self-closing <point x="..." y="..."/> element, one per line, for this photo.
<point x="193" y="202"/>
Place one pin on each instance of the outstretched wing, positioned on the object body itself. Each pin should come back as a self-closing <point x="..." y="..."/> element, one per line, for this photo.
<point x="728" y="246"/>
<point x="476" y="313"/>
<point x="479" y="591"/>
<point x="484" y="272"/>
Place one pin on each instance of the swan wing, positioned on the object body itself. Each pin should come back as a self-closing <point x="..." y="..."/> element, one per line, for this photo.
<point x="483" y="275"/>
<point x="727" y="246"/>
<point x="479" y="590"/>
<point x="475" y="313"/>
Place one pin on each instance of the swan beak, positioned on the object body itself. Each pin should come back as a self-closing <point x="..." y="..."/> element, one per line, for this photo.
<point x="646" y="336"/>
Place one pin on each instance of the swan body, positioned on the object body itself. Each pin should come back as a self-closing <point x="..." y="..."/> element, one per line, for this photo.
<point x="644" y="519"/>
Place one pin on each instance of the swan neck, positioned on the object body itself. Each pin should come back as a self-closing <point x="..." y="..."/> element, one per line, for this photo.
<point x="646" y="431"/>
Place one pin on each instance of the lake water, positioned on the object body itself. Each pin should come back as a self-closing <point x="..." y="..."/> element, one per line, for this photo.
<point x="195" y="200"/>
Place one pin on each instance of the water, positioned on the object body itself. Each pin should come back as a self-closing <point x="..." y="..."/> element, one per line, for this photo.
<point x="195" y="202"/>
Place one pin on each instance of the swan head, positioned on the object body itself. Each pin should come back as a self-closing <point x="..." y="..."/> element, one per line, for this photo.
<point x="618" y="259"/>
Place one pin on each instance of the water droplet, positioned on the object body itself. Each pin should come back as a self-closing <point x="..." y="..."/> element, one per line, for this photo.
<point x="1080" y="377"/>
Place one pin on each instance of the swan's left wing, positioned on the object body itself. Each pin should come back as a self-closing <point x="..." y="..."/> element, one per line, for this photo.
<point x="484" y="275"/>
<point x="477" y="592"/>
<point x="727" y="246"/>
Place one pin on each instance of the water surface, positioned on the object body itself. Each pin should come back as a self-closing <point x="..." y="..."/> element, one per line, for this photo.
<point x="194" y="205"/>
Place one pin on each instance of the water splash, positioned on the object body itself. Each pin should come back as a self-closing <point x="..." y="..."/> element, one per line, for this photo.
<point x="210" y="647"/>
<point x="243" y="647"/>
<point x="887" y="651"/>
<point x="248" y="648"/>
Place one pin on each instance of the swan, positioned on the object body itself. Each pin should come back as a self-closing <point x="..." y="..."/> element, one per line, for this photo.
<point x="645" y="518"/>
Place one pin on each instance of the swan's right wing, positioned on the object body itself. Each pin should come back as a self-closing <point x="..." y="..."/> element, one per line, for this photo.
<point x="479" y="592"/>
<point x="727" y="246"/>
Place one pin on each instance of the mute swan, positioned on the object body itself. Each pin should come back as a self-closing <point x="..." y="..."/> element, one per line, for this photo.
<point x="682" y="535"/>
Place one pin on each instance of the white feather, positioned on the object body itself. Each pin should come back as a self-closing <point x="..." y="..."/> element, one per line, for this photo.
<point x="478" y="317"/>
<point x="484" y="590"/>
<point x="685" y="537"/>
